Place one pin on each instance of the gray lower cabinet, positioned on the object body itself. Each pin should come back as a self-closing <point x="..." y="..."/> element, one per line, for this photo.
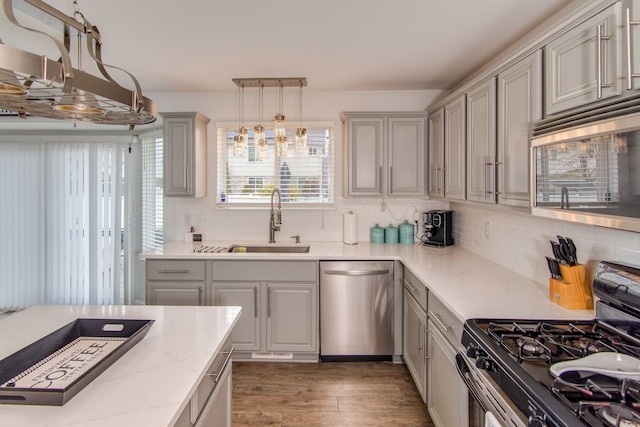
<point x="210" y="403"/>
<point x="279" y="301"/>
<point x="175" y="282"/>
<point x="447" y="395"/>
<point x="415" y="341"/>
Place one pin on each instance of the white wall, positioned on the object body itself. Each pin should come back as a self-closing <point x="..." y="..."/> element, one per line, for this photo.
<point x="520" y="241"/>
<point x="311" y="225"/>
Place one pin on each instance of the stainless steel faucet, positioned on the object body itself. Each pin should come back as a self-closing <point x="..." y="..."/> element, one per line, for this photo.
<point x="275" y="218"/>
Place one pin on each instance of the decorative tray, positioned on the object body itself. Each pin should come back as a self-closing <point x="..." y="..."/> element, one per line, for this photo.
<point x="55" y="368"/>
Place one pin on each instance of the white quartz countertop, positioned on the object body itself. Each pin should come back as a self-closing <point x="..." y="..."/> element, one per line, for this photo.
<point x="148" y="386"/>
<point x="470" y="285"/>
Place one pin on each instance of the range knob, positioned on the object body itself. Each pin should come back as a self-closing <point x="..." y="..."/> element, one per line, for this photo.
<point x="473" y="351"/>
<point x="483" y="362"/>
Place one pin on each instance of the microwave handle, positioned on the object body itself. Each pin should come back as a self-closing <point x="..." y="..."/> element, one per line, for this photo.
<point x="600" y="71"/>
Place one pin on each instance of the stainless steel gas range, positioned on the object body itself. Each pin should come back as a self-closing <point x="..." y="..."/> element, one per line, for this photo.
<point x="507" y="362"/>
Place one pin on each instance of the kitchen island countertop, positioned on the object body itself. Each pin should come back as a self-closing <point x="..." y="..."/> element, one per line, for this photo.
<point x="148" y="386"/>
<point x="470" y="285"/>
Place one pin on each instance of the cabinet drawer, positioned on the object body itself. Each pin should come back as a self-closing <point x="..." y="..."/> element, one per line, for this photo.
<point x="446" y="321"/>
<point x="175" y="270"/>
<point x="211" y="379"/>
<point x="265" y="271"/>
<point x="416" y="288"/>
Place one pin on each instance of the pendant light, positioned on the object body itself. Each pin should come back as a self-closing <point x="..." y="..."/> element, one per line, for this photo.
<point x="259" y="135"/>
<point x="9" y="84"/>
<point x="280" y="132"/>
<point x="301" y="133"/>
<point x="240" y="140"/>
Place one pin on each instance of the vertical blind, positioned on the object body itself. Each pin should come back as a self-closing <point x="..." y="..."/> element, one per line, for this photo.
<point x="63" y="223"/>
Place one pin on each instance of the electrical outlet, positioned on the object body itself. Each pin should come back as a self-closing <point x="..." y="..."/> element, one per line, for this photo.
<point x="486" y="230"/>
<point x="202" y="219"/>
<point x="416" y="216"/>
<point x="187" y="220"/>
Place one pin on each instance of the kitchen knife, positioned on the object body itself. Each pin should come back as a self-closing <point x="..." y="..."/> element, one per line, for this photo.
<point x="555" y="248"/>
<point x="565" y="252"/>
<point x="554" y="268"/>
<point x="572" y="250"/>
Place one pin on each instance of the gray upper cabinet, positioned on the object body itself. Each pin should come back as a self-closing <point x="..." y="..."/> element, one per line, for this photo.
<point x="436" y="153"/>
<point x="481" y="142"/>
<point x="185" y="154"/>
<point x="584" y="64"/>
<point x="454" y="169"/>
<point x="632" y="46"/>
<point x="519" y="104"/>
<point x="385" y="154"/>
<point x="447" y="150"/>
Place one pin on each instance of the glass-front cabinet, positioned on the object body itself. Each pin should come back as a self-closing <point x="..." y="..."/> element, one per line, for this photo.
<point x="589" y="174"/>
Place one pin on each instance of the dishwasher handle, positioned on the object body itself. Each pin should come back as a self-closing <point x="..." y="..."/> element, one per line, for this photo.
<point x="358" y="272"/>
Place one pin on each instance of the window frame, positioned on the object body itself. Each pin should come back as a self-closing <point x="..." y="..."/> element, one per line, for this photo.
<point x="222" y="182"/>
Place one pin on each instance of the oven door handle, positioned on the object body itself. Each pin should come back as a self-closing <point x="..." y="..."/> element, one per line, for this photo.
<point x="463" y="370"/>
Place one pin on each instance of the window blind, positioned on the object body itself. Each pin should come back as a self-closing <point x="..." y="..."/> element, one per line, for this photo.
<point x="64" y="215"/>
<point x="304" y="178"/>
<point x="152" y="193"/>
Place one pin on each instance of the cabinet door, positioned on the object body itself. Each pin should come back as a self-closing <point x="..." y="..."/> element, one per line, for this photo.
<point x="246" y="333"/>
<point x="365" y="141"/>
<point x="292" y="317"/>
<point x="584" y="64"/>
<point x="169" y="293"/>
<point x="178" y="134"/>
<point x="436" y="153"/>
<point x="185" y="154"/>
<point x="454" y="149"/>
<point x="632" y="46"/>
<point x="406" y="156"/>
<point x="414" y="342"/>
<point x="519" y="105"/>
<point x="217" y="411"/>
<point x="481" y="142"/>
<point x="447" y="393"/>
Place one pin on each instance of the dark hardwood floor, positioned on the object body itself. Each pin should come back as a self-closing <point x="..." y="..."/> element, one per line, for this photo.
<point x="326" y="394"/>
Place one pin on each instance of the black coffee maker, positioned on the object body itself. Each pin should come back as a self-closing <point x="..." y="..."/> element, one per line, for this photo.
<point x="438" y="228"/>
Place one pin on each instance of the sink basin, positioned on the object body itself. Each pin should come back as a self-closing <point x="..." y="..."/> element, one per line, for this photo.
<point x="273" y="248"/>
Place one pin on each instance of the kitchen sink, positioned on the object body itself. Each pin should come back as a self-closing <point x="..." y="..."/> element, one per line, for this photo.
<point x="272" y="248"/>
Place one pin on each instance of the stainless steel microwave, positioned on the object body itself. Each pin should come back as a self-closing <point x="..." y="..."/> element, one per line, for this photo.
<point x="589" y="173"/>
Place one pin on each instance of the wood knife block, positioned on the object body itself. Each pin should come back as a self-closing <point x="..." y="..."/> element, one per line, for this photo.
<point x="573" y="292"/>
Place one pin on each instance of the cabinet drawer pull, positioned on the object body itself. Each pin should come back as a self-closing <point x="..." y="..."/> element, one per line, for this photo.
<point x="439" y="321"/>
<point x="224" y="365"/>
<point x="173" y="271"/>
<point x="255" y="302"/>
<point x="408" y="284"/>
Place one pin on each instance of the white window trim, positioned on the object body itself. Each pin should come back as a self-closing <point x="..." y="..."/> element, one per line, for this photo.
<point x="266" y="205"/>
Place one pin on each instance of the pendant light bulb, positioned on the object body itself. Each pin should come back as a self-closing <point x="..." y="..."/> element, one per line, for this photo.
<point x="280" y="132"/>
<point x="301" y="133"/>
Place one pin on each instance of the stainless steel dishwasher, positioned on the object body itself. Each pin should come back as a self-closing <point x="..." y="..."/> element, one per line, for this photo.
<point x="356" y="310"/>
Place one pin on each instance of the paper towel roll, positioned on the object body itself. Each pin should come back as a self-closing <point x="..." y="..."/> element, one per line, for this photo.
<point x="350" y="229"/>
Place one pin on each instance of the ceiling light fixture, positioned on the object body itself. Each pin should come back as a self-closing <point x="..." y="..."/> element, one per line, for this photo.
<point x="38" y="86"/>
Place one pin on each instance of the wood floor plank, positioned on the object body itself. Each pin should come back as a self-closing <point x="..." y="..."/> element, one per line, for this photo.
<point x="326" y="394"/>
